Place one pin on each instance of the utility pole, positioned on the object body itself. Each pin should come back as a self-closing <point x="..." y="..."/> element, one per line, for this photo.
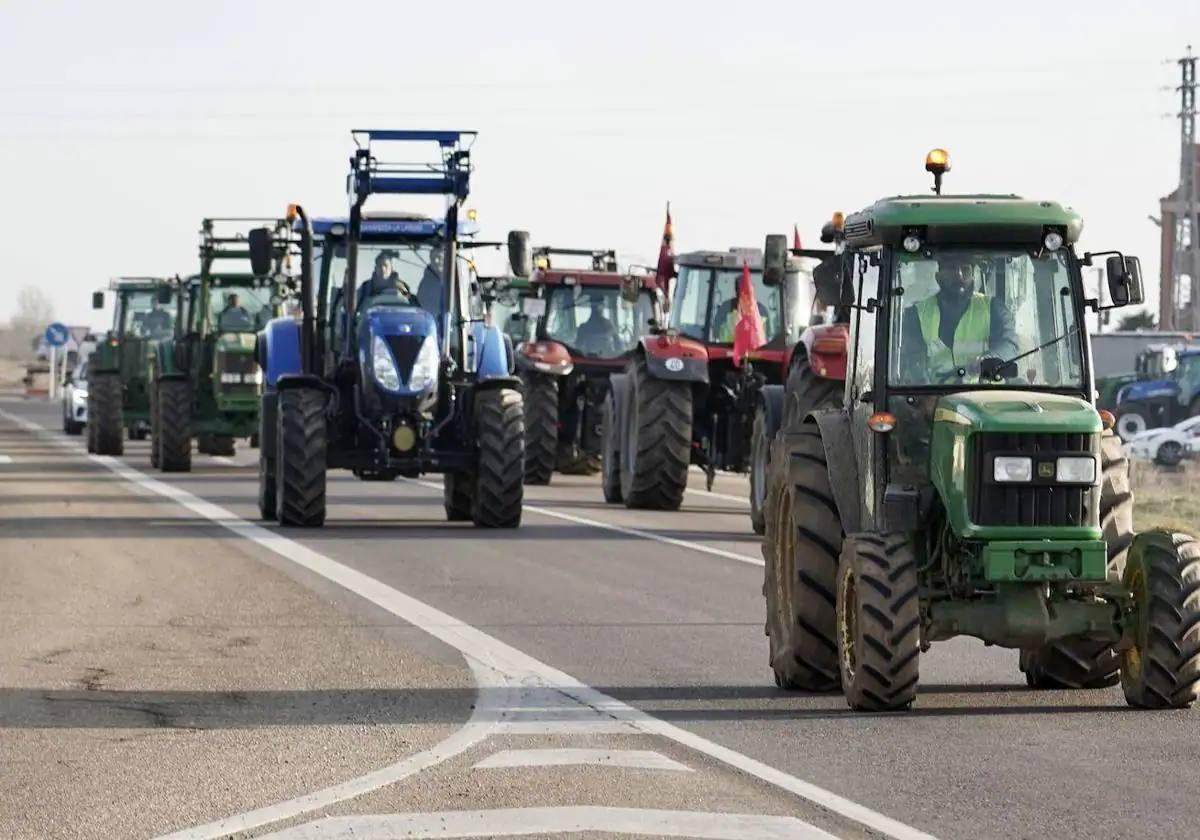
<point x="1185" y="257"/>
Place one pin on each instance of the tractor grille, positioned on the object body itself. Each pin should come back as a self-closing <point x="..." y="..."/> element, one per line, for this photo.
<point x="405" y="348"/>
<point x="1040" y="503"/>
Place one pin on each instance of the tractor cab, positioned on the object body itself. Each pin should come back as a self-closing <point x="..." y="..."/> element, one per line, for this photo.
<point x="1166" y="390"/>
<point x="504" y="300"/>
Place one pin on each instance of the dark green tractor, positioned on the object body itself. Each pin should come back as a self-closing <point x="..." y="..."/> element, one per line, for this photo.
<point x="207" y="380"/>
<point x="119" y="367"/>
<point x="967" y="485"/>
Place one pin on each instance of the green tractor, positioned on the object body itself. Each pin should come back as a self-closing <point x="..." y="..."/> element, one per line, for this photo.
<point x="967" y="484"/>
<point x="118" y="369"/>
<point x="207" y="380"/>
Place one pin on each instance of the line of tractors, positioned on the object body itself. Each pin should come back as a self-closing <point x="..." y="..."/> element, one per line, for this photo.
<point x="917" y="412"/>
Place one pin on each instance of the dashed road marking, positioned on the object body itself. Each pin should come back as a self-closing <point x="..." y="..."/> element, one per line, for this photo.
<point x="568" y="757"/>
<point x="6" y="459"/>
<point x="514" y="822"/>
<point x="509" y="665"/>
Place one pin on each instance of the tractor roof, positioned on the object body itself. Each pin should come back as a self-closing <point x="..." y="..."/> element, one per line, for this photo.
<point x="580" y="277"/>
<point x="391" y="226"/>
<point x="137" y="284"/>
<point x="968" y="219"/>
<point x="733" y="259"/>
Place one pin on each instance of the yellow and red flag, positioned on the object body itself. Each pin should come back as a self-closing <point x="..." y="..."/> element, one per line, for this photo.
<point x="749" y="333"/>
<point x="796" y="237"/>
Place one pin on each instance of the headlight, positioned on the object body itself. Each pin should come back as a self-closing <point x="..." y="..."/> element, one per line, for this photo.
<point x="230" y="378"/>
<point x="254" y="378"/>
<point x="383" y="365"/>
<point x="1076" y="470"/>
<point x="1012" y="468"/>
<point x="425" y="368"/>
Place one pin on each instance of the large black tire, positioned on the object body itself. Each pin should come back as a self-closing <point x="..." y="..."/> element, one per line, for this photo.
<point x="806" y="392"/>
<point x="760" y="457"/>
<point x="657" y="443"/>
<point x="541" y="427"/>
<point x="458" y="495"/>
<point x="1162" y="669"/>
<point x="1076" y="663"/>
<point x="610" y="439"/>
<point x="222" y="445"/>
<point x="500" y="474"/>
<point x="1131" y="422"/>
<point x="105" y="414"/>
<point x="91" y="432"/>
<point x="300" y="458"/>
<point x="155" y="422"/>
<point x="268" y="418"/>
<point x="801" y="547"/>
<point x="71" y="426"/>
<point x="175" y="425"/>
<point x="878" y="622"/>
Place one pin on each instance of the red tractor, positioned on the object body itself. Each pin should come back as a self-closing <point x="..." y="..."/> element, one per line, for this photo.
<point x="589" y="321"/>
<point x="683" y="401"/>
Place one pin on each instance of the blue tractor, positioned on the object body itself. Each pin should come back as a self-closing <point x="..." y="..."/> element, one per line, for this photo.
<point x="391" y="369"/>
<point x="1166" y="391"/>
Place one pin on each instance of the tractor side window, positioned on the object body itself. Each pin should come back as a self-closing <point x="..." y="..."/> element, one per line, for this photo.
<point x="690" y="304"/>
<point x="866" y="288"/>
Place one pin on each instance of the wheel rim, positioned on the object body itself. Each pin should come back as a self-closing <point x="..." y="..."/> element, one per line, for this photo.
<point x="1131" y="657"/>
<point x="1170" y="450"/>
<point x="1130" y="425"/>
<point x="847" y="619"/>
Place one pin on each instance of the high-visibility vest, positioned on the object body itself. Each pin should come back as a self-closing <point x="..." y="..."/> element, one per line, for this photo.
<point x="971" y="335"/>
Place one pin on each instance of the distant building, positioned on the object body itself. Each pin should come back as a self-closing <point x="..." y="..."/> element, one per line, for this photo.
<point x="1178" y="309"/>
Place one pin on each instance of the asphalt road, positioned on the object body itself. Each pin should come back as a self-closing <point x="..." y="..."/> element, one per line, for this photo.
<point x="635" y="635"/>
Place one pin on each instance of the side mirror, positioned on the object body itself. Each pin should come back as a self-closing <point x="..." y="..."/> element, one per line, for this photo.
<point x="775" y="256"/>
<point x="165" y="294"/>
<point x="97" y="300"/>
<point x="1124" y="280"/>
<point x="631" y="288"/>
<point x="261" y="245"/>
<point x="518" y="253"/>
<point x="829" y="280"/>
<point x="828" y="232"/>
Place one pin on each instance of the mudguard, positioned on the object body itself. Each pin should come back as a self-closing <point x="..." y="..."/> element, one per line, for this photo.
<point x="843" y="466"/>
<point x="493" y="360"/>
<point x="826" y="346"/>
<point x="772" y="400"/>
<point x="164" y="360"/>
<point x="549" y="357"/>
<point x="278" y="350"/>
<point x="675" y="358"/>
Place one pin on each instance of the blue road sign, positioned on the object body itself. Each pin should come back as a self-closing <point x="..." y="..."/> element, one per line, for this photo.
<point x="57" y="334"/>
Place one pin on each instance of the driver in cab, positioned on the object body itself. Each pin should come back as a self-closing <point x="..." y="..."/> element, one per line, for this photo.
<point x="384" y="282"/>
<point x="954" y="329"/>
<point x="234" y="318"/>
<point x="597" y="334"/>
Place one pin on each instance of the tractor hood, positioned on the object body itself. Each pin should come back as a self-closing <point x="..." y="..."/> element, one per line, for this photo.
<point x="235" y="342"/>
<point x="1018" y="411"/>
<point x="403" y="340"/>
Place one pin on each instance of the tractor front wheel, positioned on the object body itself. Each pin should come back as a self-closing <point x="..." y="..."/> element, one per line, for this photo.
<point x="1162" y="669"/>
<point x="610" y="438"/>
<point x="105" y="413"/>
<point x="760" y="452"/>
<point x="458" y="495"/>
<point x="300" y="458"/>
<point x="878" y="622"/>
<point x="500" y="473"/>
<point x="656" y="448"/>
<point x="541" y="427"/>
<point x="800" y="549"/>
<point x="175" y="425"/>
<point x="155" y="426"/>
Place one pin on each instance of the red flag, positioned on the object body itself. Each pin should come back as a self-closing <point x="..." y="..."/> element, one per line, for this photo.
<point x="796" y="237"/>
<point x="665" y="269"/>
<point x="748" y="334"/>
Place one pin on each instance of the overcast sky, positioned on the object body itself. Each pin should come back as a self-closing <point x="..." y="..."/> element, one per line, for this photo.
<point x="122" y="124"/>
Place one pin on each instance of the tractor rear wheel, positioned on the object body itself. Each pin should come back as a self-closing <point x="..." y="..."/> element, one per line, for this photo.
<point x="175" y="425"/>
<point x="268" y="505"/>
<point x="458" y="495"/>
<point x="760" y="456"/>
<point x="105" y="414"/>
<point x="541" y="427"/>
<point x="300" y="458"/>
<point x="500" y="474"/>
<point x="222" y="446"/>
<point x="610" y="438"/>
<point x="1162" y="669"/>
<point x="800" y="549"/>
<point x="878" y="622"/>
<point x="90" y="432"/>
<point x="1130" y="423"/>
<point x="1075" y="663"/>
<point x="656" y="448"/>
<point x="155" y="425"/>
<point x="805" y="392"/>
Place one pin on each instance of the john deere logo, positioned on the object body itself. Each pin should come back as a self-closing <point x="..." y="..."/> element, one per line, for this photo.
<point x="1045" y="469"/>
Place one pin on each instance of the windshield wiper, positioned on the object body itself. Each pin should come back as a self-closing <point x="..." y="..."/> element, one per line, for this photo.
<point x="993" y="367"/>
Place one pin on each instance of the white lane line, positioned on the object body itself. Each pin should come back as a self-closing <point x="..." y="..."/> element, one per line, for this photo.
<point x="620" y="529"/>
<point x="514" y="822"/>
<point x="477" y="646"/>
<point x="570" y="757"/>
<point x="6" y="459"/>
<point x="222" y="459"/>
<point x="739" y="499"/>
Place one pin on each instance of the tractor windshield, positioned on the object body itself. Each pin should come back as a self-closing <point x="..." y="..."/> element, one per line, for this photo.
<point x="705" y="303"/>
<point x="595" y="320"/>
<point x="233" y="309"/>
<point x="144" y="316"/>
<point x="957" y="312"/>
<point x="506" y="313"/>
<point x="394" y="273"/>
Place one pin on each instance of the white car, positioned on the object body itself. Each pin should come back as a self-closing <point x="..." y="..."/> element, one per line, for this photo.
<point x="74" y="400"/>
<point x="1168" y="445"/>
